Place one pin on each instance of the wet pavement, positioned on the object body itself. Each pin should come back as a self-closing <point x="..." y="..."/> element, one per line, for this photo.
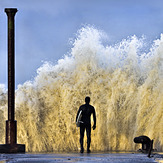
<point x="76" y="157"/>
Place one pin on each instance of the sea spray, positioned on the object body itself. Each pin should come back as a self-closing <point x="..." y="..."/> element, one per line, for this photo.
<point x="125" y="86"/>
<point x="3" y="106"/>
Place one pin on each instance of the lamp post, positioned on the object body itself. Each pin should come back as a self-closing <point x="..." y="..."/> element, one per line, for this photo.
<point x="11" y="126"/>
<point x="11" y="145"/>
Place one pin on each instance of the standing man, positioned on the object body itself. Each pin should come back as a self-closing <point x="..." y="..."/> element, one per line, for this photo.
<point x="86" y="110"/>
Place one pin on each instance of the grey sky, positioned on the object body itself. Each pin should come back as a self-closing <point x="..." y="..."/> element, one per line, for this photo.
<point x="44" y="27"/>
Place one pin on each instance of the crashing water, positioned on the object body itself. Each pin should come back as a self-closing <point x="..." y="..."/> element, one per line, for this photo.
<point x="124" y="83"/>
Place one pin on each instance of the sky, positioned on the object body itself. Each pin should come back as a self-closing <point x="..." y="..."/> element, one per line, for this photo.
<point x="43" y="28"/>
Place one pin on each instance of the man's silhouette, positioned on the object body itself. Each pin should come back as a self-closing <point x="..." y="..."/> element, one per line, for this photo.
<point x="87" y="110"/>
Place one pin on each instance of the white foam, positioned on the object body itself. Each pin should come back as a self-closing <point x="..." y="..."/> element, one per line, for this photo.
<point x="124" y="83"/>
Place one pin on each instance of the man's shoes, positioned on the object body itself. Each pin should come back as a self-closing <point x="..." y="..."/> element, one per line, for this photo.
<point x="82" y="150"/>
<point x="88" y="151"/>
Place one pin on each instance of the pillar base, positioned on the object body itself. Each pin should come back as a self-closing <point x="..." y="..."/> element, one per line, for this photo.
<point x="12" y="148"/>
<point x="11" y="132"/>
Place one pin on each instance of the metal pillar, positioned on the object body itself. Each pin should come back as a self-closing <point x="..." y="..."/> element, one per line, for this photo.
<point x="11" y="145"/>
<point x="11" y="128"/>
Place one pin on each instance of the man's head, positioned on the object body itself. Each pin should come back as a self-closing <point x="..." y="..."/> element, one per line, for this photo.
<point x="87" y="100"/>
